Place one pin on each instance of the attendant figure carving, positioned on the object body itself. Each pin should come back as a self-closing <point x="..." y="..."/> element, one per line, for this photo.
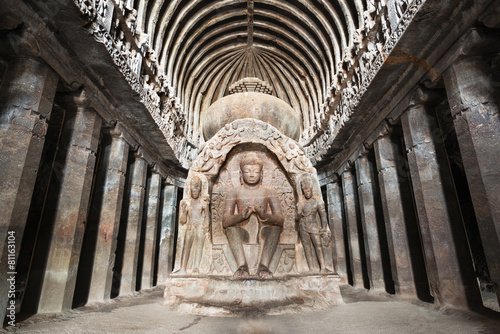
<point x="195" y="213"/>
<point x="311" y="229"/>
<point x="252" y="202"/>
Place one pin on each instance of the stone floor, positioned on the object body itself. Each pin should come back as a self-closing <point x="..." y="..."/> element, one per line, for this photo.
<point x="377" y="313"/>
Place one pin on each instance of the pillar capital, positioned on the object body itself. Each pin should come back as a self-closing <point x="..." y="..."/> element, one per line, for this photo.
<point x="418" y="97"/>
<point x="334" y="178"/>
<point x="155" y="169"/>
<point x="383" y="130"/>
<point x="115" y="130"/>
<point x="118" y="130"/>
<point x="476" y="41"/>
<point x="362" y="151"/>
<point x="346" y="167"/>
<point x="139" y="153"/>
<point x="19" y="44"/>
<point x="81" y="99"/>
<point x="169" y="181"/>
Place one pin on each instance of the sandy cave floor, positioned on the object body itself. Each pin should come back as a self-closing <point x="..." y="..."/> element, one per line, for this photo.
<point x="376" y="313"/>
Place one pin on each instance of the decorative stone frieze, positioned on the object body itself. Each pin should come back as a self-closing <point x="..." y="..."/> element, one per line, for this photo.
<point x="357" y="71"/>
<point x="131" y="53"/>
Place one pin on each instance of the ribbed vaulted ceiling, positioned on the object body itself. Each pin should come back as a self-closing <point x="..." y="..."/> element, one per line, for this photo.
<point x="205" y="46"/>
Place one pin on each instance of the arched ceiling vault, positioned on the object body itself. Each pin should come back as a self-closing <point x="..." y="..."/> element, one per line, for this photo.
<point x="295" y="46"/>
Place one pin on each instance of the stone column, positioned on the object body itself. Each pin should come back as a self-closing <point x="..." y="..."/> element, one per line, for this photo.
<point x="167" y="233"/>
<point x="448" y="259"/>
<point x="151" y="227"/>
<point x="352" y="217"/>
<point x="115" y="157"/>
<point x="336" y="221"/>
<point x="77" y="161"/>
<point x="366" y="195"/>
<point x="472" y="101"/>
<point x="134" y="220"/>
<point x="387" y="156"/>
<point x="26" y="99"/>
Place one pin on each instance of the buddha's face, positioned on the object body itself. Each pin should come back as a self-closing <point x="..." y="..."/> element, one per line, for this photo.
<point x="195" y="190"/>
<point x="307" y="189"/>
<point x="251" y="174"/>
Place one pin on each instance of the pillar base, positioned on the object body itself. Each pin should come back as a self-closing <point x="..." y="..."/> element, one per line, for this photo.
<point x="216" y="296"/>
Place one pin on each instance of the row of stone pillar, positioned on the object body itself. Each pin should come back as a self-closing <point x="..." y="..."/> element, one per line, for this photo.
<point x="420" y="211"/>
<point x="79" y="198"/>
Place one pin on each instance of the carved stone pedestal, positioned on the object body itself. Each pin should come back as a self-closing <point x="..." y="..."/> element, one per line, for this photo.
<point x="222" y="296"/>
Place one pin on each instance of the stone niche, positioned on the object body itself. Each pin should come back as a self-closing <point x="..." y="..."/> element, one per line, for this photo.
<point x="252" y="228"/>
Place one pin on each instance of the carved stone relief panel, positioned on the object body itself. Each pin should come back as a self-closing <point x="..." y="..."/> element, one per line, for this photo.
<point x="252" y="207"/>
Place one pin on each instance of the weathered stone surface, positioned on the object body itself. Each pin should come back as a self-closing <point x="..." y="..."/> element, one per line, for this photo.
<point x="474" y="107"/>
<point x="167" y="233"/>
<point x="215" y="296"/>
<point x="194" y="214"/>
<point x="134" y="220"/>
<point x="352" y="218"/>
<point x="336" y="217"/>
<point x="448" y="259"/>
<point x="388" y="160"/>
<point x="313" y="227"/>
<point x="115" y="162"/>
<point x="368" y="215"/>
<point x="26" y="98"/>
<point x="77" y="160"/>
<point x="151" y="226"/>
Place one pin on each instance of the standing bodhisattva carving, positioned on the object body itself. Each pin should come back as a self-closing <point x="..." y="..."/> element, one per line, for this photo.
<point x="313" y="224"/>
<point x="195" y="214"/>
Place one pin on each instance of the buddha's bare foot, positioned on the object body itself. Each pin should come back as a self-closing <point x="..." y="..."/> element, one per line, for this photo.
<point x="326" y="271"/>
<point x="242" y="272"/>
<point x="264" y="272"/>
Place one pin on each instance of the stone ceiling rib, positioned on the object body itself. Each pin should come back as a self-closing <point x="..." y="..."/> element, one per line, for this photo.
<point x="141" y="13"/>
<point x="170" y="50"/>
<point x="217" y="69"/>
<point x="196" y="81"/>
<point x="296" y="46"/>
<point x="191" y="51"/>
